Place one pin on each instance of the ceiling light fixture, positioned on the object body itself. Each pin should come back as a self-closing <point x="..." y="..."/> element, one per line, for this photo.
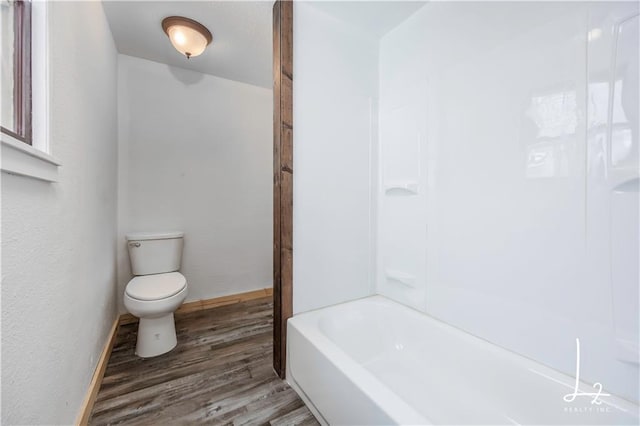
<point x="189" y="37"/>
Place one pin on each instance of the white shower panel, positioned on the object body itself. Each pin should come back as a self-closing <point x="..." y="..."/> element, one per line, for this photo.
<point x="402" y="196"/>
<point x="479" y="163"/>
<point x="614" y="169"/>
<point x="335" y="132"/>
<point x="528" y="178"/>
<point x="401" y="140"/>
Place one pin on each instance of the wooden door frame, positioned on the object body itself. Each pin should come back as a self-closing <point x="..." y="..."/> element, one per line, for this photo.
<point x="282" y="179"/>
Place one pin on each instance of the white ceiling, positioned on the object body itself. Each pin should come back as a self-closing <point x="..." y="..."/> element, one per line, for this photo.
<point x="241" y="47"/>
<point x="242" y="38"/>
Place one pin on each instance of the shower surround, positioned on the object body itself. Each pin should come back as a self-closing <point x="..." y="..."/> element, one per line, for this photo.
<point x="478" y="163"/>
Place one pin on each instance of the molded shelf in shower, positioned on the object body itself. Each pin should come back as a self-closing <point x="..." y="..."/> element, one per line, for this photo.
<point x="407" y="187"/>
<point x="629" y="185"/>
<point x="400" y="277"/>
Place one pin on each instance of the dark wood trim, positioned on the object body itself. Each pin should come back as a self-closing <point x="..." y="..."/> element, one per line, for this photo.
<point x="282" y="179"/>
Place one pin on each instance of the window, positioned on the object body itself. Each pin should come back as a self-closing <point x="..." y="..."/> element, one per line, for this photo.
<point x="16" y="118"/>
<point x="24" y="91"/>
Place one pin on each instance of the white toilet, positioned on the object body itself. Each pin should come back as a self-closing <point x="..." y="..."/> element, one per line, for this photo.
<point x="157" y="289"/>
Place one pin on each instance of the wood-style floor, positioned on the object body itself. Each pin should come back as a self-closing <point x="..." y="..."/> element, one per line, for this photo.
<point x="220" y="373"/>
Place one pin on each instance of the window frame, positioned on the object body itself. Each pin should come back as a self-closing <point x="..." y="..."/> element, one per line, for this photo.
<point x="22" y="84"/>
<point x="17" y="156"/>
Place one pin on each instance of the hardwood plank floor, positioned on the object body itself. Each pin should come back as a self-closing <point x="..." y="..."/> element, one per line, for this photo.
<point x="220" y="373"/>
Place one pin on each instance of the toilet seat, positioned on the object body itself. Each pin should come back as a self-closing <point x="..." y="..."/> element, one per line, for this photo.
<point x="156" y="286"/>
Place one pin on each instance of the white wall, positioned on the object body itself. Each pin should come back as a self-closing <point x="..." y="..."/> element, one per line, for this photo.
<point x="499" y="113"/>
<point x="195" y="154"/>
<point x="335" y="91"/>
<point x="58" y="240"/>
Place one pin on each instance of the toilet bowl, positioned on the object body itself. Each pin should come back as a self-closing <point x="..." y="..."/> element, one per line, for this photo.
<point x="154" y="299"/>
<point x="157" y="289"/>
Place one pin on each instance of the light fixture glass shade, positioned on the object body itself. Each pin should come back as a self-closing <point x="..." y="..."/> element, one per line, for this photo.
<point x="188" y="36"/>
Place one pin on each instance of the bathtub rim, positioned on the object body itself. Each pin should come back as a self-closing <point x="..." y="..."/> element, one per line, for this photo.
<point x="383" y="397"/>
<point x="307" y="323"/>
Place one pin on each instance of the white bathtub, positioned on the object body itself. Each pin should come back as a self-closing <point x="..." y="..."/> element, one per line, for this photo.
<point x="374" y="361"/>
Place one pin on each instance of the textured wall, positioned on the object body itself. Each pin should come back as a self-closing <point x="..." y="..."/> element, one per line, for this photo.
<point x="195" y="154"/>
<point x="58" y="240"/>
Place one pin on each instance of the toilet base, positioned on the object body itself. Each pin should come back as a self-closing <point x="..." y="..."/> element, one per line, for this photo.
<point x="156" y="336"/>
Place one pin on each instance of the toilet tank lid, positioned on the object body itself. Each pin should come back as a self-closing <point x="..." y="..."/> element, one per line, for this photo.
<point x="141" y="236"/>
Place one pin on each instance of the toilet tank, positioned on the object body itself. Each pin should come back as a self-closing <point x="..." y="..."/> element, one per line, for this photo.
<point x="155" y="252"/>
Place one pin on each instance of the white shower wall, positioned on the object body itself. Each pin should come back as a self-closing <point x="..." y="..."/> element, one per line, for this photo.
<point x="335" y="90"/>
<point x="509" y="178"/>
<point x="479" y="163"/>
